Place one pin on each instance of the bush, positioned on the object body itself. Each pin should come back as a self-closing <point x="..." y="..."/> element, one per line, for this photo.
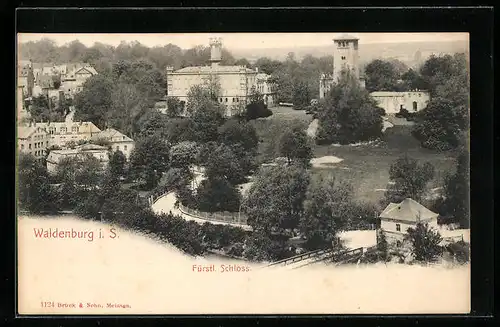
<point x="460" y="250"/>
<point x="381" y="111"/>
<point x="257" y="110"/>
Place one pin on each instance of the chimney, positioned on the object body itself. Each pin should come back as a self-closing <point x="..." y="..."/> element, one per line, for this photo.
<point x="215" y="51"/>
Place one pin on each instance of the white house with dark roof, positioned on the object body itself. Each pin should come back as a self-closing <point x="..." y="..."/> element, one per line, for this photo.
<point x="118" y="141"/>
<point x="398" y="217"/>
<point x="236" y="81"/>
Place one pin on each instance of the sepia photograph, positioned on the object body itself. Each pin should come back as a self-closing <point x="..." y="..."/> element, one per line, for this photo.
<point x="243" y="173"/>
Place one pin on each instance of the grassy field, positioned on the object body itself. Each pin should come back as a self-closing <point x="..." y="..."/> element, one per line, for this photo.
<point x="366" y="167"/>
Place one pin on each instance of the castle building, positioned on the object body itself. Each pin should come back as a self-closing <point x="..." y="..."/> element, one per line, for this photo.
<point x="345" y="58"/>
<point x="236" y="82"/>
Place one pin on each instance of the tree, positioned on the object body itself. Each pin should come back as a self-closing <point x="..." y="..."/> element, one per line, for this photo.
<point x="409" y="180"/>
<point x="275" y="199"/>
<point x="94" y="103"/>
<point x="381" y="76"/>
<point x="183" y="155"/>
<point x="217" y="194"/>
<point x="178" y="130"/>
<point x="35" y="193"/>
<point x="174" y="107"/>
<point x="206" y="122"/>
<point x="256" y="110"/>
<point x="222" y="163"/>
<point x="201" y="98"/>
<point x="261" y="247"/>
<point x="456" y="191"/>
<point x="154" y="123"/>
<point x="234" y="132"/>
<point x="425" y="242"/>
<point x="117" y="164"/>
<point x="413" y="81"/>
<point x="348" y="114"/>
<point x="295" y="145"/>
<point x="301" y="94"/>
<point x="328" y="209"/>
<point x="382" y="245"/>
<point x="149" y="159"/>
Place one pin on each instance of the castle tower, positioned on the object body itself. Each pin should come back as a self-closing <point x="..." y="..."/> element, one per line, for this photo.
<point x="215" y="51"/>
<point x="345" y="56"/>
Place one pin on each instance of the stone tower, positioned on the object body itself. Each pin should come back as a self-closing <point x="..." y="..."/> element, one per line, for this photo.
<point x="345" y="56"/>
<point x="215" y="51"/>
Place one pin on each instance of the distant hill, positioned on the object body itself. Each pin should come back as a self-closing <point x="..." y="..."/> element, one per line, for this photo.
<point x="406" y="52"/>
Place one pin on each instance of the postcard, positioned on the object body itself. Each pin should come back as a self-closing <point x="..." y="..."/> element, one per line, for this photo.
<point x="243" y="173"/>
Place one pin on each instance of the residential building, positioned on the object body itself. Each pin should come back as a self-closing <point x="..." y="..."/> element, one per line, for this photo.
<point x="345" y="58"/>
<point x="99" y="152"/>
<point x="236" y="82"/>
<point x="398" y="217"/>
<point x="393" y="102"/>
<point x="117" y="140"/>
<point x="32" y="140"/>
<point x="60" y="133"/>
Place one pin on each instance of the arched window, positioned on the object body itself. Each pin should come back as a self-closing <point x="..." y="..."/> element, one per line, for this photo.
<point x="414" y="105"/>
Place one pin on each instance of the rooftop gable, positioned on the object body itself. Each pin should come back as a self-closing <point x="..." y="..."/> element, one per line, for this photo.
<point x="407" y="210"/>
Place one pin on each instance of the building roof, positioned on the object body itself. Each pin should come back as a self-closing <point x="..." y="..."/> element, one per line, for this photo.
<point x="345" y="37"/>
<point x="91" y="147"/>
<point x="88" y="68"/>
<point x="68" y="125"/>
<point x="25" y="131"/>
<point x="111" y="133"/>
<point x="407" y="210"/>
<point x="216" y="69"/>
<point x="394" y="94"/>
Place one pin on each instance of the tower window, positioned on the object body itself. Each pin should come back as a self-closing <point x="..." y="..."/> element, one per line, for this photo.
<point x="343" y="57"/>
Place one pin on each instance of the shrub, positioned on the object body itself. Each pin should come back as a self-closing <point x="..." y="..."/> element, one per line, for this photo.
<point x="460" y="250"/>
<point x="257" y="110"/>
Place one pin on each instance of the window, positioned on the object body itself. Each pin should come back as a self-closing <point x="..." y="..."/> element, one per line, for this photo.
<point x="29" y="146"/>
<point x="124" y="137"/>
<point x="226" y="99"/>
<point x="398" y="227"/>
<point x="237" y="100"/>
<point x="343" y="57"/>
<point x="398" y="243"/>
<point x="22" y="146"/>
<point x="414" y="105"/>
<point x="125" y="147"/>
<point x="74" y="129"/>
<point x="117" y="147"/>
<point x="63" y="129"/>
<point x="47" y="143"/>
<point x="52" y="130"/>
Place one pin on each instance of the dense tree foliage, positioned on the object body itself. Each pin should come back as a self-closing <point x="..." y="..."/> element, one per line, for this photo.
<point x="348" y="114"/>
<point x="217" y="194"/>
<point x="328" y="207"/>
<point x="455" y="202"/>
<point x="34" y="192"/>
<point x="295" y="145"/>
<point x="275" y="199"/>
<point x="149" y="159"/>
<point x="425" y="242"/>
<point x="117" y="163"/>
<point x="409" y="180"/>
<point x="444" y="123"/>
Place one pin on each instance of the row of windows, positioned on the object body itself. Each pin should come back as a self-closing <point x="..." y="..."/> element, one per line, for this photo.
<point x="343" y="43"/>
<point x="226" y="100"/>
<point x="124" y="147"/>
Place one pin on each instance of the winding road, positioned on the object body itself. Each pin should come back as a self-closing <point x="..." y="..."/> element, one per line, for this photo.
<point x="166" y="204"/>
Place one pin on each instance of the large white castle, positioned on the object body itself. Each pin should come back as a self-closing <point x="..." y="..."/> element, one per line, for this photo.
<point x="236" y="82"/>
<point x="346" y="58"/>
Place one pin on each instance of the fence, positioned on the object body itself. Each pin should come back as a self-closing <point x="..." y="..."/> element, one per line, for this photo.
<point x="225" y="217"/>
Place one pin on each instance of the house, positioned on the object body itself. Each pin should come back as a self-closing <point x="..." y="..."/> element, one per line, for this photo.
<point x="33" y="140"/>
<point x="60" y="133"/>
<point x="398" y="217"/>
<point x="56" y="156"/>
<point x="118" y="141"/>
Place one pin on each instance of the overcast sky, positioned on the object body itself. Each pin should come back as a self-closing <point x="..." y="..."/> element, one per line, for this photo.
<point x="243" y="40"/>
